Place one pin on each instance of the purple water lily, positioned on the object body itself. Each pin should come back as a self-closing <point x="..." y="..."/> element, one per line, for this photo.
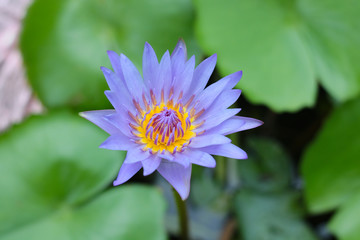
<point x="166" y="120"/>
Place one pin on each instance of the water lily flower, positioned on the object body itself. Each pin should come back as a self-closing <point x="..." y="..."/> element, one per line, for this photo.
<point x="166" y="119"/>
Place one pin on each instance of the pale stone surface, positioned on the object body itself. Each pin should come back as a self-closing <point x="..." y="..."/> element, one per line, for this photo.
<point x="16" y="98"/>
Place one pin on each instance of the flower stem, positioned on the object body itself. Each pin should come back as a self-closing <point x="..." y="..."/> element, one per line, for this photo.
<point x="183" y="218"/>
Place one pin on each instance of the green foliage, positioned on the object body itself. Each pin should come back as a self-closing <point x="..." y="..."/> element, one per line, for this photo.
<point x="268" y="168"/>
<point x="346" y="223"/>
<point x="50" y="172"/>
<point x="331" y="170"/>
<point x="284" y="47"/>
<point x="64" y="43"/>
<point x="207" y="206"/>
<point x="267" y="207"/>
<point x="270" y="216"/>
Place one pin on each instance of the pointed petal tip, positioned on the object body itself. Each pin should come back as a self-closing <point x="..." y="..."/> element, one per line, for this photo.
<point x="103" y="145"/>
<point x="213" y="57"/>
<point x="184" y="195"/>
<point x="150" y="165"/>
<point x="86" y="114"/>
<point x="82" y="114"/>
<point x="147" y="46"/>
<point x="167" y="53"/>
<point x="212" y="166"/>
<point x="243" y="157"/>
<point x="250" y="123"/>
<point x="105" y="69"/>
<point x="180" y="45"/>
<point x="238" y="75"/>
<point x="183" y="192"/>
<point x="123" y="58"/>
<point x="146" y="173"/>
<point x="116" y="183"/>
<point x="178" y="177"/>
<point x="111" y="54"/>
<point x="181" y="41"/>
<point x="238" y="91"/>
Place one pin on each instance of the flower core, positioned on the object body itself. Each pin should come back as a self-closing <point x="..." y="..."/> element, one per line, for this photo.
<point x="165" y="126"/>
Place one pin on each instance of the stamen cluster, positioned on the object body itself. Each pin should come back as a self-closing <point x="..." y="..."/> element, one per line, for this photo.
<point x="166" y="126"/>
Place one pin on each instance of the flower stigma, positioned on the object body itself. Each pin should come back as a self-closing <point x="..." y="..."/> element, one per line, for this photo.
<point x="165" y="126"/>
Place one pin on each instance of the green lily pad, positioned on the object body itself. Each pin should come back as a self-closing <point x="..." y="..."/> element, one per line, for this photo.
<point x="267" y="207"/>
<point x="331" y="171"/>
<point x="346" y="222"/>
<point x="268" y="168"/>
<point x="270" y="216"/>
<point x="51" y="175"/>
<point x="116" y="214"/>
<point x="283" y="47"/>
<point x="330" y="165"/>
<point x="64" y="43"/>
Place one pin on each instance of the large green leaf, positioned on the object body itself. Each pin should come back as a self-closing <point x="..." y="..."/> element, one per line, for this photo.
<point x="268" y="168"/>
<point x="331" y="163"/>
<point x="270" y="216"/>
<point x="64" y="42"/>
<point x="117" y="214"/>
<point x="284" y="46"/>
<point x="51" y="168"/>
<point x="267" y="207"/>
<point x="346" y="223"/>
<point x="331" y="170"/>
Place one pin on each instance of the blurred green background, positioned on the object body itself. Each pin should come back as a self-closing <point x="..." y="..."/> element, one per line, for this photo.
<point x="300" y="60"/>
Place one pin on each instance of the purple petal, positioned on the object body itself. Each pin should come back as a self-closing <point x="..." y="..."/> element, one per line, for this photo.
<point x="164" y="77"/>
<point x="207" y="140"/>
<point x="126" y="172"/>
<point x="121" y="104"/>
<point x="120" y="122"/>
<point x="97" y="117"/>
<point x="180" y="50"/>
<point x="225" y="100"/>
<point x="249" y="123"/>
<point x="166" y="155"/>
<point x="217" y="118"/>
<point x="178" y="58"/>
<point x="118" y="142"/>
<point x="200" y="158"/>
<point x="210" y="93"/>
<point x="178" y="176"/>
<point x="150" y="164"/>
<point x="136" y="154"/>
<point x="113" y="80"/>
<point x="150" y="65"/>
<point x="183" y="80"/>
<point x="227" y="150"/>
<point x="181" y="159"/>
<point x="116" y="63"/>
<point x="202" y="74"/>
<point x="235" y="124"/>
<point x="132" y="77"/>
